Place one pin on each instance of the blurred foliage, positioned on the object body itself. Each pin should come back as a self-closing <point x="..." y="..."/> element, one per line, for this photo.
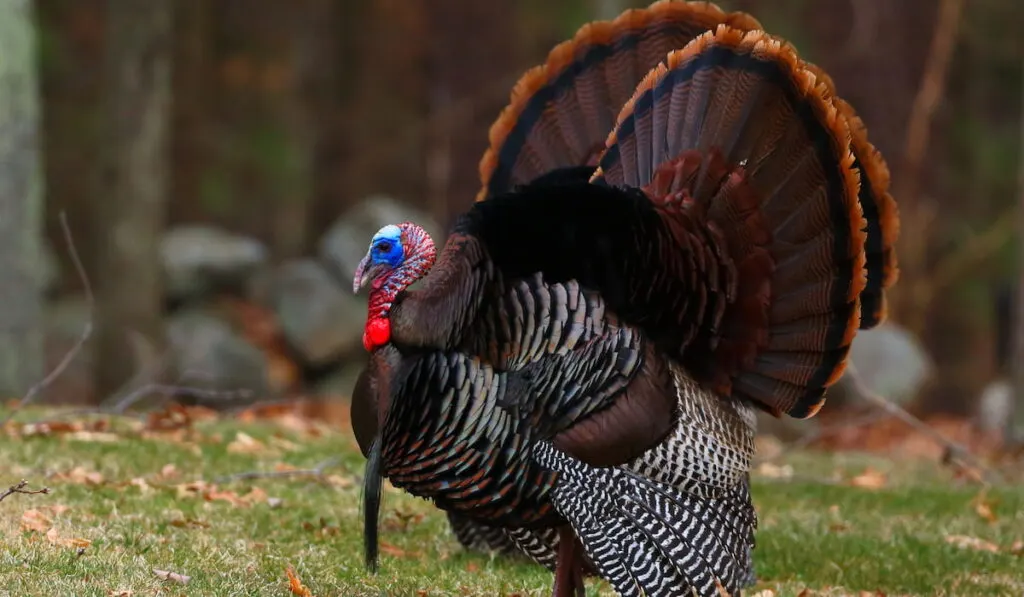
<point x="303" y="109"/>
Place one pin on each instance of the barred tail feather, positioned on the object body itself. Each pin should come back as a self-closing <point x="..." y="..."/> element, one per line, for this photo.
<point x="560" y="112"/>
<point x="736" y="129"/>
<point x="649" y="538"/>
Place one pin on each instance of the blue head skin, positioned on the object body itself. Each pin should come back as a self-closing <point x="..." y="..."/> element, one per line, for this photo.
<point x="386" y="253"/>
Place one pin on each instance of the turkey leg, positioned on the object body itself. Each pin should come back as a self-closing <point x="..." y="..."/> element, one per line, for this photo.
<point x="569" y="566"/>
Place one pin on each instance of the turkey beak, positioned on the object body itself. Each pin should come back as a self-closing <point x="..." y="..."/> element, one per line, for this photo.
<point x="364" y="273"/>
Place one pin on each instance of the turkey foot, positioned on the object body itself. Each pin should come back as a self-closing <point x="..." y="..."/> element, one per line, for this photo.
<point x="569" y="566"/>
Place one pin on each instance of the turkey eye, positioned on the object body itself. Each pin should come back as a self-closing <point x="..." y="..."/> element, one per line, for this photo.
<point x="384" y="247"/>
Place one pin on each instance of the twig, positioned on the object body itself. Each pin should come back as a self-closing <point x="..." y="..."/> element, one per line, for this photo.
<point x="821" y="432"/>
<point x="951" y="447"/>
<point x="316" y="471"/>
<point x="172" y="391"/>
<point x="20" y="488"/>
<point x="35" y="390"/>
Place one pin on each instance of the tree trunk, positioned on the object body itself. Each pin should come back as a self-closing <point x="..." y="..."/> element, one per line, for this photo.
<point x="21" y="351"/>
<point x="132" y="212"/>
<point x="1015" y="425"/>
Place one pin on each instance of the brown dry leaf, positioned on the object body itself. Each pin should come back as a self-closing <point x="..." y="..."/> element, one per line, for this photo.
<point x="54" y="537"/>
<point x="191" y="489"/>
<point x="246" y="444"/>
<point x="49" y="428"/>
<point x="1017" y="548"/>
<point x="983" y="507"/>
<point x="169" y="471"/>
<point x="173" y="418"/>
<point x="141" y="484"/>
<point x="966" y="542"/>
<point x="764" y="593"/>
<point x="340" y="481"/>
<point x="215" y="495"/>
<point x="870" y="479"/>
<point x="120" y="593"/>
<point x="284" y="444"/>
<point x="34" y="520"/>
<point x="774" y="471"/>
<point x="94" y="436"/>
<point x="295" y="585"/>
<point x="472" y="567"/>
<point x="171" y="576"/>
<point x="189" y="522"/>
<point x="82" y="476"/>
<point x="255" y="496"/>
<point x="394" y="550"/>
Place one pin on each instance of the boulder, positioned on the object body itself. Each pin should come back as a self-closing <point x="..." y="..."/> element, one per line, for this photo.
<point x="346" y="241"/>
<point x="209" y="353"/>
<point x="199" y="260"/>
<point x="322" y="321"/>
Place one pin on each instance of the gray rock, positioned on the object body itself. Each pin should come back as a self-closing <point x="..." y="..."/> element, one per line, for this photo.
<point x="198" y="260"/>
<point x="891" y="362"/>
<point x="346" y="241"/>
<point x="209" y="354"/>
<point x="320" y="319"/>
<point x="341" y="381"/>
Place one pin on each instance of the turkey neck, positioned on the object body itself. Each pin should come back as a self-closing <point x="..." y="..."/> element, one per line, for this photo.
<point x="420" y="256"/>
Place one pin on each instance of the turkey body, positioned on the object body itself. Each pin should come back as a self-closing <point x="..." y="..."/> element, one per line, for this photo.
<point x="680" y="223"/>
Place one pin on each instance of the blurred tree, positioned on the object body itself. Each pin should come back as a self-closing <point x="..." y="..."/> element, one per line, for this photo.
<point x="1015" y="426"/>
<point x="137" y="76"/>
<point x="21" y="349"/>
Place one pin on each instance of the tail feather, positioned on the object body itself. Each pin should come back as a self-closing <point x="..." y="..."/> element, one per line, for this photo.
<point x="560" y="112"/>
<point x="763" y="152"/>
<point x="647" y="537"/>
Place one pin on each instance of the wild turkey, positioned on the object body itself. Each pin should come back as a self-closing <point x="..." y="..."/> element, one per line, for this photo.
<point x="680" y="222"/>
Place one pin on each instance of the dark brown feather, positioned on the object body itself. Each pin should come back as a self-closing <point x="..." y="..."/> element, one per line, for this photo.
<point x="560" y="112"/>
<point x="756" y="148"/>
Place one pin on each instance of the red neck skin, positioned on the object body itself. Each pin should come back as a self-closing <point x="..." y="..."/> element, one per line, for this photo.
<point x="420" y="254"/>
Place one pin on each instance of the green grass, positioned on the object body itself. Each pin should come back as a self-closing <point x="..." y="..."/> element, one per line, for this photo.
<point x="815" y="532"/>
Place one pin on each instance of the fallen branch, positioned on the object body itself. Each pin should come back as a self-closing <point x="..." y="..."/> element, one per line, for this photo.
<point x="316" y="471"/>
<point x="35" y="390"/>
<point x="954" y="450"/>
<point x="20" y="488"/>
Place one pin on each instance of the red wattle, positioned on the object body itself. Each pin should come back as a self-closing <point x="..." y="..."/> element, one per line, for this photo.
<point x="376" y="333"/>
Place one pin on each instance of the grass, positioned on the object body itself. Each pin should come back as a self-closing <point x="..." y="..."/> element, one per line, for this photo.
<point x="238" y="537"/>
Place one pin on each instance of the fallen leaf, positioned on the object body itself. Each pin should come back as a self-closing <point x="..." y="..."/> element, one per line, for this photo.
<point x="1017" y="548"/>
<point x="169" y="471"/>
<point x="171" y="576"/>
<point x="189" y="522"/>
<point x="764" y="593"/>
<point x="120" y="593"/>
<point x="54" y="537"/>
<point x="141" y="484"/>
<point x="284" y="444"/>
<point x="94" y="436"/>
<point x="472" y="567"/>
<point x="966" y="542"/>
<point x="774" y="471"/>
<point x="81" y="476"/>
<point x="983" y="507"/>
<point x="340" y="481"/>
<point x="869" y="479"/>
<point x="398" y="552"/>
<point x="245" y="444"/>
<point x="34" y="520"/>
<point x="49" y="428"/>
<point x="295" y="585"/>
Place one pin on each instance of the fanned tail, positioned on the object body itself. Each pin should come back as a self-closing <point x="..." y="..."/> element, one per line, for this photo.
<point x="734" y="131"/>
<point x="649" y="538"/>
<point x="560" y="112"/>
